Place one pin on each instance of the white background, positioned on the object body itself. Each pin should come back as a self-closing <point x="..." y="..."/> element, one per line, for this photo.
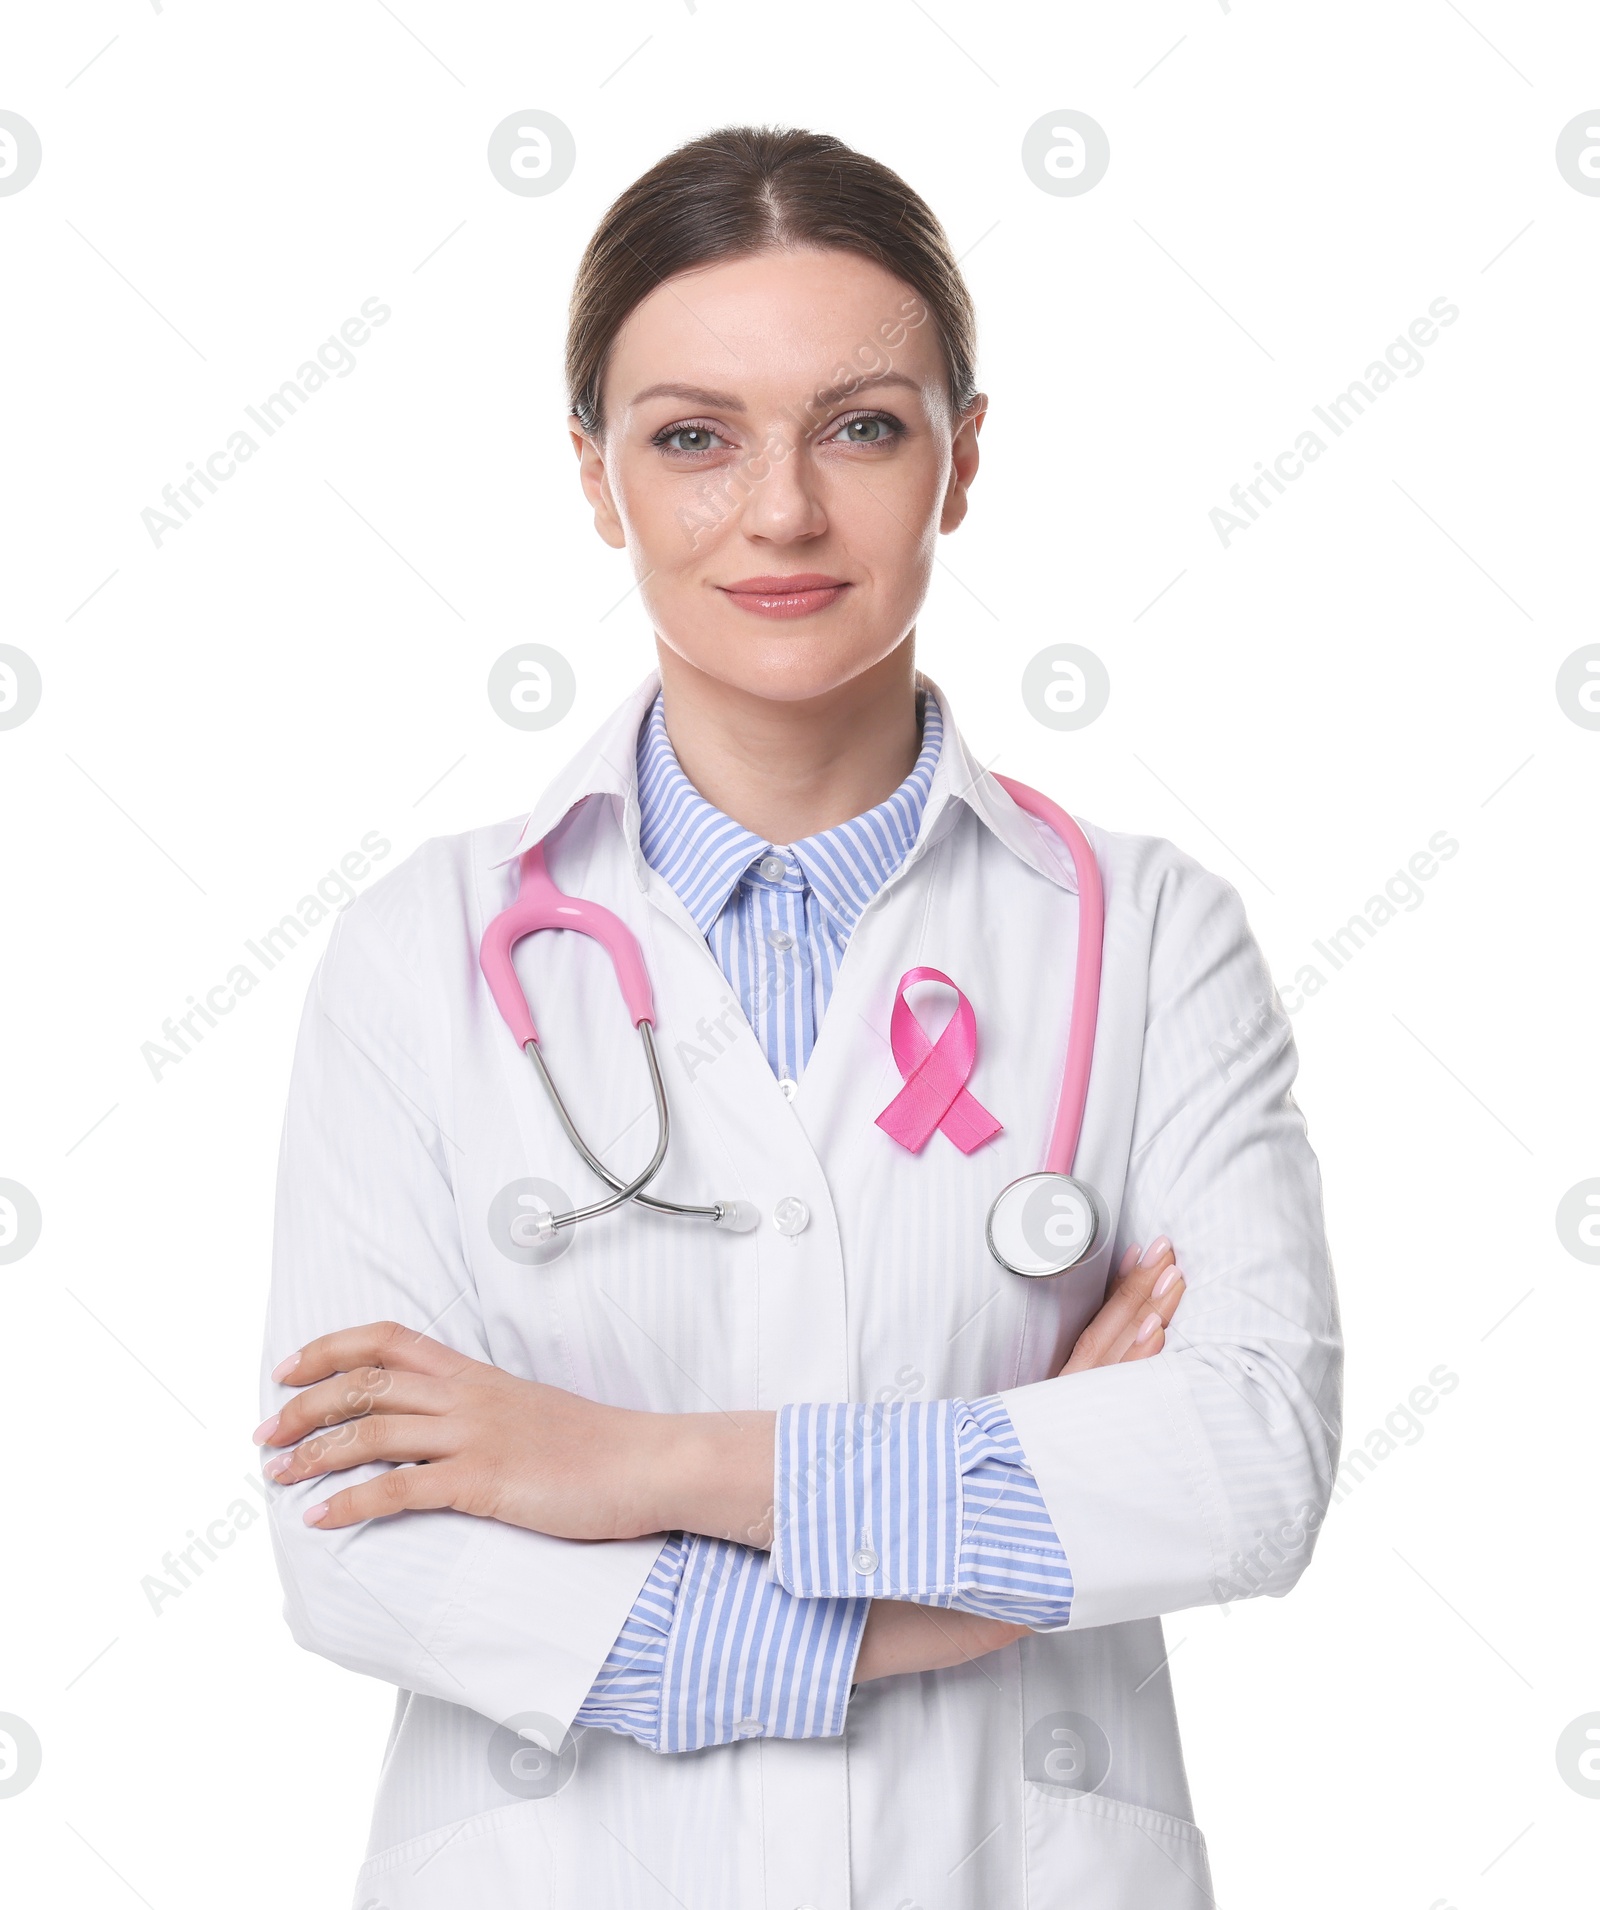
<point x="226" y="715"/>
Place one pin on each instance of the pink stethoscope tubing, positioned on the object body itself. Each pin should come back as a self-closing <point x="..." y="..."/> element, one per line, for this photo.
<point x="1074" y="1098"/>
<point x="540" y="905"/>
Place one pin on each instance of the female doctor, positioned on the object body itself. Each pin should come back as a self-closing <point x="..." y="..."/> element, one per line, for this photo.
<point x="794" y="1551"/>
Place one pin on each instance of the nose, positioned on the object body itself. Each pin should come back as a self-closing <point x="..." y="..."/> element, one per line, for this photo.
<point x="782" y="504"/>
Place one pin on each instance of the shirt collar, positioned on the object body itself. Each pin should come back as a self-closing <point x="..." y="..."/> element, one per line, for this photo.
<point x="607" y="765"/>
<point x="847" y="865"/>
<point x="689" y="842"/>
<point x="704" y="854"/>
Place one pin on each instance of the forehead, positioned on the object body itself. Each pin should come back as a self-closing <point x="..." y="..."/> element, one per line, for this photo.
<point x="774" y="324"/>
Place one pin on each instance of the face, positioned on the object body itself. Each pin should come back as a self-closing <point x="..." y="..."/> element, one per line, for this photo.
<point x="778" y="456"/>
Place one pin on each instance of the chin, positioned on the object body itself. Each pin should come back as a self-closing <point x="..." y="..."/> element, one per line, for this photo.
<point x="793" y="668"/>
<point x="781" y="660"/>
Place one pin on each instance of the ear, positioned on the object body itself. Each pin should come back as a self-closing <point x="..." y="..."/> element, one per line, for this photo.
<point x="963" y="462"/>
<point x="596" y="485"/>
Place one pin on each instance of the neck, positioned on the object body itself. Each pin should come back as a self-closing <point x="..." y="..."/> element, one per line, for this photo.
<point x="787" y="770"/>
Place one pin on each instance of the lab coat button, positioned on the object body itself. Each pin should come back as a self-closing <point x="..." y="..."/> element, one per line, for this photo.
<point x="772" y="868"/>
<point x="791" y="1216"/>
<point x="787" y="1088"/>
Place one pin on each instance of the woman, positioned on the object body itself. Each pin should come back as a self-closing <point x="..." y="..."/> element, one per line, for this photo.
<point x="843" y="1548"/>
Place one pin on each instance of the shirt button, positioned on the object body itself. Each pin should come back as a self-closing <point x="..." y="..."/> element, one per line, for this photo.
<point x="780" y="939"/>
<point x="791" y="1216"/>
<point x="772" y="868"/>
<point x="789" y="1089"/>
<point x="864" y="1559"/>
<point x="750" y="1727"/>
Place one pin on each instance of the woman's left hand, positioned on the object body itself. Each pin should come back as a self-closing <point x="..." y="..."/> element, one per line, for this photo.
<point x="493" y="1445"/>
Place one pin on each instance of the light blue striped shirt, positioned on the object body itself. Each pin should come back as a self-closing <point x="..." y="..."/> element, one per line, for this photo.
<point x="927" y="1501"/>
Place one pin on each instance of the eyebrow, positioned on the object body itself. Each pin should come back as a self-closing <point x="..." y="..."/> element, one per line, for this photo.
<point x="728" y="401"/>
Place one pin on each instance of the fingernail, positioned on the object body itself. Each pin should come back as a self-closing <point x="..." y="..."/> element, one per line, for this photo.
<point x="1151" y="1326"/>
<point x="1131" y="1258"/>
<point x="1155" y="1250"/>
<point x="1167" y="1282"/>
<point x="276" y="1468"/>
<point x="285" y="1367"/>
<point x="266" y="1429"/>
<point x="315" y="1514"/>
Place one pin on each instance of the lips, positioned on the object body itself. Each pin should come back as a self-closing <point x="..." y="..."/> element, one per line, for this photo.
<point x="797" y="595"/>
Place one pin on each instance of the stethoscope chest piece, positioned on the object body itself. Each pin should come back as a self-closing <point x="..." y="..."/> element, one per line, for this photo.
<point x="1045" y="1223"/>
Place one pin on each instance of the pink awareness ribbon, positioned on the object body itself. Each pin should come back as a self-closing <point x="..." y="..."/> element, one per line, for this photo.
<point x="935" y="1074"/>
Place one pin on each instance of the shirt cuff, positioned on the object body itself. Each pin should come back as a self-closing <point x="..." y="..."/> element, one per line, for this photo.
<point x="1012" y="1563"/>
<point x="868" y="1500"/>
<point x="932" y="1501"/>
<point x="746" y="1658"/>
<point x="626" y="1693"/>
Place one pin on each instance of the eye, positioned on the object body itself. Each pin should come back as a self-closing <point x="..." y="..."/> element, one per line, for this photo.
<point x="868" y="427"/>
<point x="688" y="440"/>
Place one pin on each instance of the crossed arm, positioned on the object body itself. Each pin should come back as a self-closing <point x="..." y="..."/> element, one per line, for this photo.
<point x="462" y="1434"/>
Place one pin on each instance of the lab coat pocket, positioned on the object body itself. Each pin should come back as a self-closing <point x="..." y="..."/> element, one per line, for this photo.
<point x="1084" y="1852"/>
<point x="500" y="1856"/>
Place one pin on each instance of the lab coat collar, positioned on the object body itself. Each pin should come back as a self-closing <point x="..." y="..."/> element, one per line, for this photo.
<point x="607" y="765"/>
<point x="961" y="779"/>
<point x="603" y="766"/>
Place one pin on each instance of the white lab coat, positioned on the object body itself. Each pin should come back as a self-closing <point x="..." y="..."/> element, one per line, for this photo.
<point x="411" y="1108"/>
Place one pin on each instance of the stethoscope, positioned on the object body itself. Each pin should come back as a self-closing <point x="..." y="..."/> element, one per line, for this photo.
<point x="1040" y="1224"/>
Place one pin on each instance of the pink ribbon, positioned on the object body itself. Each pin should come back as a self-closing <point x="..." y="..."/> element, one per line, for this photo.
<point x="935" y="1074"/>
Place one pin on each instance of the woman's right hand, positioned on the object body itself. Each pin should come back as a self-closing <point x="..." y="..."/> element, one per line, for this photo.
<point x="1131" y="1325"/>
<point x="1139" y="1305"/>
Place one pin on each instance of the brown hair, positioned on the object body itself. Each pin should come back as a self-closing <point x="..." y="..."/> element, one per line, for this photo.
<point x="746" y="189"/>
